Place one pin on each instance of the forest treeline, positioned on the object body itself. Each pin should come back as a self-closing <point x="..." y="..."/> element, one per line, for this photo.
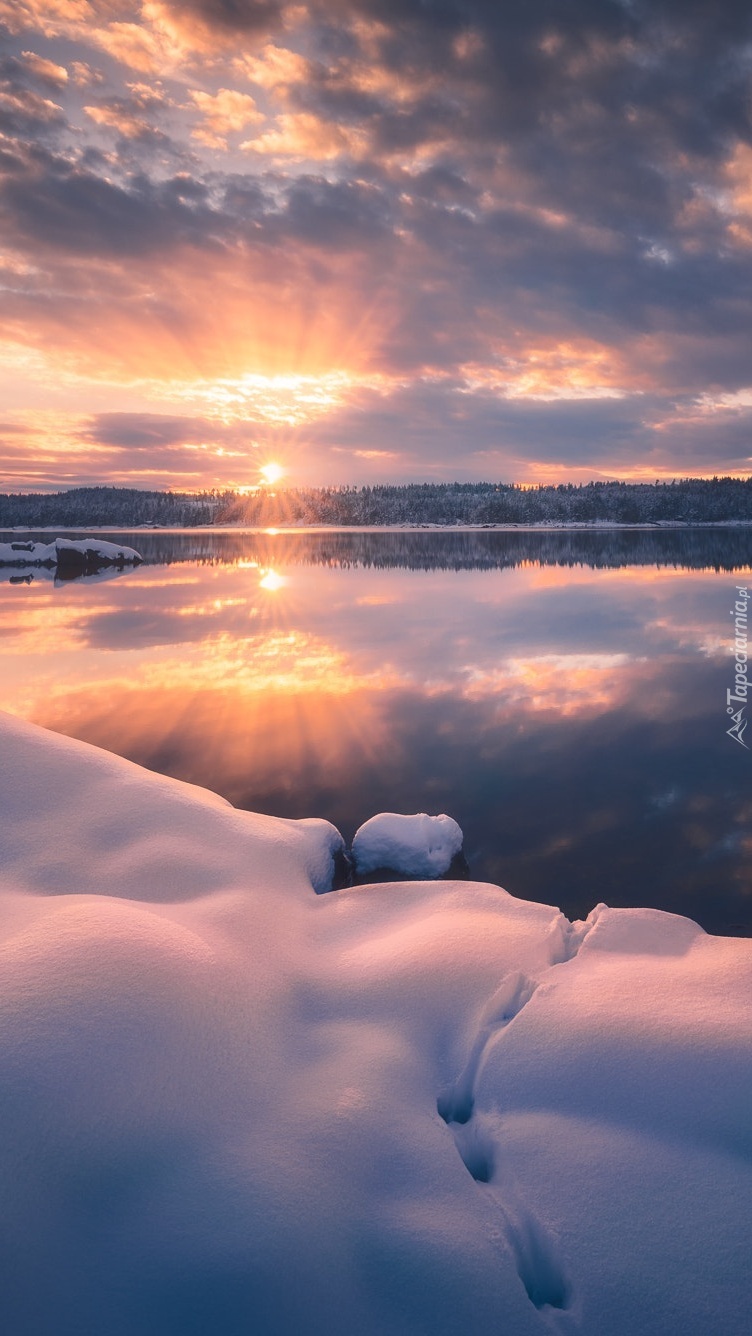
<point x="117" y="507"/>
<point x="692" y="500"/>
<point x="687" y="500"/>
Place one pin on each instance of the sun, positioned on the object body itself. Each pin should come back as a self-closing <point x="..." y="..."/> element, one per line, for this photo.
<point x="271" y="472"/>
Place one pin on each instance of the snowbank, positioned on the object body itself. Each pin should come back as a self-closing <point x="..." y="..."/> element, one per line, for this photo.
<point x="415" y="846"/>
<point x="231" y="1105"/>
<point x="68" y="556"/>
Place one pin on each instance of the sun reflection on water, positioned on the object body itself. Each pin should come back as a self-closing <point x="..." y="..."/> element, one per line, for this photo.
<point x="272" y="581"/>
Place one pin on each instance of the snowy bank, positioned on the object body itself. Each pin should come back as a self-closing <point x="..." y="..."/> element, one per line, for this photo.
<point x="231" y="1105"/>
<point x="67" y="556"/>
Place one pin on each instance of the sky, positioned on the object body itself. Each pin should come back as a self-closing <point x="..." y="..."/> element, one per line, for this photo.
<point x="374" y="240"/>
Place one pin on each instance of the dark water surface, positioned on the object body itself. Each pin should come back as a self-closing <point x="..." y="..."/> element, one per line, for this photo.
<point x="563" y="696"/>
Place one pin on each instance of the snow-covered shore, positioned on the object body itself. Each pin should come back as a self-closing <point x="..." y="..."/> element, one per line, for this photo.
<point x="68" y="557"/>
<point x="539" y="526"/>
<point x="231" y="1105"/>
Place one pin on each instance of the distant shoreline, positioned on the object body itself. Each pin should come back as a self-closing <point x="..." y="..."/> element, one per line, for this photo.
<point x="398" y="508"/>
<point x="542" y="526"/>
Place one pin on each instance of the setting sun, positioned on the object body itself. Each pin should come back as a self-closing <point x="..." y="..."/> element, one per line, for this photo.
<point x="272" y="472"/>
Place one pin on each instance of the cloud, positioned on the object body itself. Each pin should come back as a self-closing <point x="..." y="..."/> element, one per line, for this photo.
<point x="219" y="22"/>
<point x="150" y="431"/>
<point x="440" y="434"/>
<point x="25" y="112"/>
<point x="303" y="136"/>
<point x="46" y="71"/>
<point x="521" y="235"/>
<point x="47" y="450"/>
<point x="223" y="113"/>
<point x="408" y="432"/>
<point x="134" y="116"/>
<point x="65" y="208"/>
<point x="274" y="67"/>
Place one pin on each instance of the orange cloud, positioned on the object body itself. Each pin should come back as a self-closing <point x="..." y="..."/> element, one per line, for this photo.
<point x="738" y="203"/>
<point x="138" y="47"/>
<point x="274" y="67"/>
<point x="48" y="16"/>
<point x="45" y="69"/>
<point x="83" y="75"/>
<point x="301" y="135"/>
<point x="223" y="113"/>
<point x="555" y="369"/>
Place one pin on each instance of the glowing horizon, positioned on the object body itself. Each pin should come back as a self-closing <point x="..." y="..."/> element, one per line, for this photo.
<point x="365" y="246"/>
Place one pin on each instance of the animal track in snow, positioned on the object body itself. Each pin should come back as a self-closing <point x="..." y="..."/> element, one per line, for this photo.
<point x="535" y="1256"/>
<point x="537" y="1264"/>
<point x="476" y="1149"/>
<point x="457" y="1102"/>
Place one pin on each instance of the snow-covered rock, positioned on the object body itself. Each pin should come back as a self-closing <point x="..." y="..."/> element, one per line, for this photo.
<point x="415" y="846"/>
<point x="68" y="555"/>
<point x="231" y="1105"/>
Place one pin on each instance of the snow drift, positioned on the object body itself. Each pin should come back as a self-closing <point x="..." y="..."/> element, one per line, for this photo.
<point x="231" y="1105"/>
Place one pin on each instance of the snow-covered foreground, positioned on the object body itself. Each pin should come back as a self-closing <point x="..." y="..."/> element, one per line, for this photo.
<point x="233" y="1106"/>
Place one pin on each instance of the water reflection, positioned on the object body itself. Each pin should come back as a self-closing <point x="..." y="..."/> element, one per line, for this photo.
<point x="570" y="717"/>
<point x="28" y="575"/>
<point x="720" y="548"/>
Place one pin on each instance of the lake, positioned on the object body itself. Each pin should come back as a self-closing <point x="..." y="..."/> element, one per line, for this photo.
<point x="562" y="695"/>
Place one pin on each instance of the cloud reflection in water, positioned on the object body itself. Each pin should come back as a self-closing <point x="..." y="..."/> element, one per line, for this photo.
<point x="569" y="718"/>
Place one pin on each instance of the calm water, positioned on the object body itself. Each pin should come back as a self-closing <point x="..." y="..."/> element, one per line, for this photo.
<point x="563" y="696"/>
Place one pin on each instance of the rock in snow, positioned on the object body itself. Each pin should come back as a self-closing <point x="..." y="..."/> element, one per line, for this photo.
<point x="231" y="1105"/>
<point x="69" y="556"/>
<point x="415" y="846"/>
